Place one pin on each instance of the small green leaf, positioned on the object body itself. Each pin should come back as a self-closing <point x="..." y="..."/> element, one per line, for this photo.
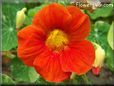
<point x="22" y="73"/>
<point x="101" y="12"/>
<point x="110" y="59"/>
<point x="63" y="2"/>
<point x="31" y="13"/>
<point x="6" y="79"/>
<point x="9" y="34"/>
<point x="41" y="81"/>
<point x="110" y="36"/>
<point x="33" y="76"/>
<point x="98" y="33"/>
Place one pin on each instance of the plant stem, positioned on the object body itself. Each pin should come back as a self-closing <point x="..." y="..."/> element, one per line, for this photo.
<point x="85" y="78"/>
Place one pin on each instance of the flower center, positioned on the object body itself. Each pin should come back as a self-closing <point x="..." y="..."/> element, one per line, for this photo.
<point x="57" y="40"/>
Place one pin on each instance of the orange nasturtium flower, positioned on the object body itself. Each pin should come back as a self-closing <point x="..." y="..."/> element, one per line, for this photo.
<point x="55" y="45"/>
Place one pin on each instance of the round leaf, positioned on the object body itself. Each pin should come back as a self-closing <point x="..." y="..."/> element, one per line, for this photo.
<point x="31" y="13"/>
<point x="98" y="33"/>
<point x="23" y="73"/>
<point x="9" y="34"/>
<point x="101" y="12"/>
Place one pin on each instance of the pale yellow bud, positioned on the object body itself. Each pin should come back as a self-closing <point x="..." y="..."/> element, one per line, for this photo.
<point x="72" y="75"/>
<point x="99" y="56"/>
<point x="20" y="17"/>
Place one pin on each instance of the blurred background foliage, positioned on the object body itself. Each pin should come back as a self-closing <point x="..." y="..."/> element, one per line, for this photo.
<point x="15" y="72"/>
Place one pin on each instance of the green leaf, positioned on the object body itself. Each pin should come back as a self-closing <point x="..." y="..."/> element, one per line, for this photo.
<point x="22" y="73"/>
<point x="31" y="13"/>
<point x="41" y="81"/>
<point x="110" y="36"/>
<point x="63" y="2"/>
<point x="33" y="76"/>
<point x="42" y="1"/>
<point x="110" y="59"/>
<point x="9" y="34"/>
<point x="101" y="12"/>
<point x="112" y="1"/>
<point x="98" y="33"/>
<point x="6" y="79"/>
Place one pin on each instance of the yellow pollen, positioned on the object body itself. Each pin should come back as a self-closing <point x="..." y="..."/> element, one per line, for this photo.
<point x="56" y="40"/>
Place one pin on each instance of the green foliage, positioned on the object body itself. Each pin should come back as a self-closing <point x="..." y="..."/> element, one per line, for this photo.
<point x="110" y="59"/>
<point x="99" y="35"/>
<point x="101" y="12"/>
<point x="6" y="79"/>
<point x="22" y="73"/>
<point x="112" y="1"/>
<point x="110" y="36"/>
<point x="82" y="79"/>
<point x="41" y="81"/>
<point x="63" y="2"/>
<point x="31" y="13"/>
<point x="9" y="33"/>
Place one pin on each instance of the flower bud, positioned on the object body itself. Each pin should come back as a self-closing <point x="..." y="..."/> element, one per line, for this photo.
<point x="72" y="75"/>
<point x="99" y="59"/>
<point x="96" y="70"/>
<point x="20" y="17"/>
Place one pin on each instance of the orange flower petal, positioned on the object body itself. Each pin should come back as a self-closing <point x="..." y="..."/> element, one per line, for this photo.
<point x="48" y="66"/>
<point x="53" y="16"/>
<point x="30" y="43"/>
<point x="78" y="58"/>
<point x="79" y="27"/>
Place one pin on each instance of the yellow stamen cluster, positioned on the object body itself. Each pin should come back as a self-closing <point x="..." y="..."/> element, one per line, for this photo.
<point x="56" y="40"/>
